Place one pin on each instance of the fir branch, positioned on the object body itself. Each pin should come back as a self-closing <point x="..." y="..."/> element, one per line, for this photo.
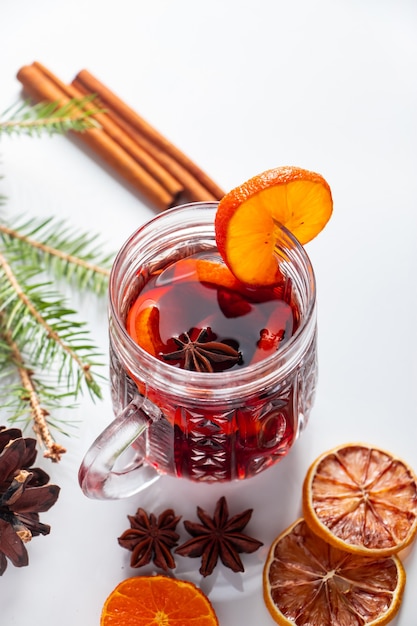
<point x="38" y="332"/>
<point x="50" y="118"/>
<point x="13" y="395"/>
<point x="46" y="355"/>
<point x="68" y="254"/>
<point x="42" y="321"/>
<point x="30" y="395"/>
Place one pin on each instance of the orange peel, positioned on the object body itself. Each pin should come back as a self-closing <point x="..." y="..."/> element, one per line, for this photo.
<point x="248" y="219"/>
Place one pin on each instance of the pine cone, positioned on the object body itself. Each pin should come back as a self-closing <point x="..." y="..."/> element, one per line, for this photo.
<point x="24" y="493"/>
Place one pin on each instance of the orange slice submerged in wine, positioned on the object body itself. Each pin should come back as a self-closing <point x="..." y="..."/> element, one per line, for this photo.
<point x="306" y="581"/>
<point x="157" y="600"/>
<point x="143" y="326"/>
<point x="143" y="321"/>
<point x="198" y="295"/>
<point x="248" y="219"/>
<point x="361" y="499"/>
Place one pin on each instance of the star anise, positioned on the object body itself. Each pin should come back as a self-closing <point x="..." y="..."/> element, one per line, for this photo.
<point x="24" y="493"/>
<point x="219" y="537"/>
<point x="151" y="539"/>
<point x="201" y="354"/>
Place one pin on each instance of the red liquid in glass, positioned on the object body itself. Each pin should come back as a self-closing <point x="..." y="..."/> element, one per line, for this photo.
<point x="212" y="440"/>
<point x="256" y="322"/>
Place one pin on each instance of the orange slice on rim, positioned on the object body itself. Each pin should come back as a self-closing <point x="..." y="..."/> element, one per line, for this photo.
<point x="248" y="218"/>
<point x="157" y="600"/>
<point x="306" y="581"/>
<point x="361" y="499"/>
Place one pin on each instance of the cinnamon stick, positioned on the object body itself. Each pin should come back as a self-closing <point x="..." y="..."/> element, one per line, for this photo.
<point x="193" y="189"/>
<point x="122" y="138"/>
<point x="42" y="85"/>
<point x="146" y="131"/>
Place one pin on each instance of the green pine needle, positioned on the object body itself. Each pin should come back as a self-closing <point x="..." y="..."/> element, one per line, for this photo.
<point x="47" y="355"/>
<point x="66" y="253"/>
<point x="53" y="399"/>
<point x="40" y="319"/>
<point x="51" y="118"/>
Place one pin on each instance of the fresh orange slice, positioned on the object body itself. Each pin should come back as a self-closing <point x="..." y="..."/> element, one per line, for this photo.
<point x="143" y="326"/>
<point x="216" y="274"/>
<point x="248" y="218"/>
<point x="157" y="601"/>
<point x="143" y="319"/>
<point x="307" y="582"/>
<point x="361" y="499"/>
<point x="201" y="269"/>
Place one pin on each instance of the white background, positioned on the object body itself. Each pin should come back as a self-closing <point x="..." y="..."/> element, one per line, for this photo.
<point x="241" y="87"/>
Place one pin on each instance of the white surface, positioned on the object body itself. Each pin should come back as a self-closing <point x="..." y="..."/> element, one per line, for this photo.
<point x="241" y="87"/>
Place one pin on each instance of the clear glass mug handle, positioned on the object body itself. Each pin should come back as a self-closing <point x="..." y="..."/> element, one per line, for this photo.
<point x="98" y="476"/>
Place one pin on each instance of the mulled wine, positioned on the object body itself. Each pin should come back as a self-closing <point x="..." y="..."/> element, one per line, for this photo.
<point x="210" y="380"/>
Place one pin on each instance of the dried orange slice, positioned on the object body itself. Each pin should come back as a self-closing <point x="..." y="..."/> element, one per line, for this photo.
<point x="361" y="499"/>
<point x="247" y="219"/>
<point x="306" y="581"/>
<point x="157" y="601"/>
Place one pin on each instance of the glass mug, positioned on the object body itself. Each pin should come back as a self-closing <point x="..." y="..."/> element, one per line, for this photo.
<point x="198" y="425"/>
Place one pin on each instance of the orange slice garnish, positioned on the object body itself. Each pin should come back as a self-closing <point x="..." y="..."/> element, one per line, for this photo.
<point x="202" y="270"/>
<point x="248" y="218"/>
<point x="142" y="324"/>
<point x="216" y="274"/>
<point x="306" y="581"/>
<point x="143" y="319"/>
<point x="157" y="600"/>
<point x="361" y="499"/>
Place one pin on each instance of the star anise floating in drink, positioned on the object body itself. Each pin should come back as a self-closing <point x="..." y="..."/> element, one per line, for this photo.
<point x="151" y="538"/>
<point x="24" y="493"/>
<point x="201" y="354"/>
<point x="219" y="537"/>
